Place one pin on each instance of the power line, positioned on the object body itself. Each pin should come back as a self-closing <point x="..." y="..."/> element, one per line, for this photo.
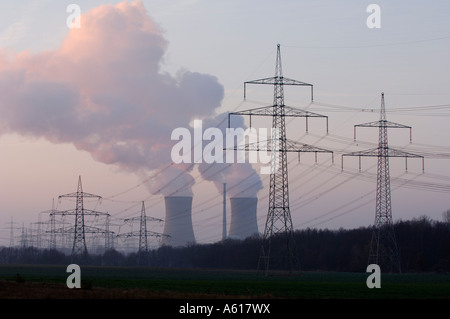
<point x="370" y="45"/>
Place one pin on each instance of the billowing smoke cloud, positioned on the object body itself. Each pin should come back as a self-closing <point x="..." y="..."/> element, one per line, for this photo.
<point x="241" y="178"/>
<point x="103" y="91"/>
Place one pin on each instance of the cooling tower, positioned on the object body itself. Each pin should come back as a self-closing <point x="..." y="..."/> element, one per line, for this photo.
<point x="243" y="222"/>
<point x="178" y="221"/>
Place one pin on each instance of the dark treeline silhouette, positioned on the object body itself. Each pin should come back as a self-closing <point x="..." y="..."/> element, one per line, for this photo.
<point x="424" y="246"/>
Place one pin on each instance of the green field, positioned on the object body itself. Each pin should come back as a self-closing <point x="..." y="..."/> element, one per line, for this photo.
<point x="180" y="283"/>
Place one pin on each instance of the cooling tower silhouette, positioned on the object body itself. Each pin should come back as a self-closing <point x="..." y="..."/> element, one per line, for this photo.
<point x="178" y="221"/>
<point x="243" y="222"/>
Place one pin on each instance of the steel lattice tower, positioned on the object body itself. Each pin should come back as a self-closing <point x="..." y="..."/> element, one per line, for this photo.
<point x="11" y="233"/>
<point x="224" y="214"/>
<point x="143" y="234"/>
<point x="383" y="246"/>
<point x="52" y="227"/>
<point x="279" y="221"/>
<point x="143" y="243"/>
<point x="79" y="239"/>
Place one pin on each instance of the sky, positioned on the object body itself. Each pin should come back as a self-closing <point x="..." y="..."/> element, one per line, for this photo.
<point x="100" y="101"/>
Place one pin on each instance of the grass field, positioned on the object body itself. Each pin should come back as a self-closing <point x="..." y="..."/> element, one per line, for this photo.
<point x="43" y="281"/>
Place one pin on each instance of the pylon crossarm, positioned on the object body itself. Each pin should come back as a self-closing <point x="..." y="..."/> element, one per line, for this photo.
<point x="375" y="152"/>
<point x="137" y="234"/>
<point x="291" y="146"/>
<point x="268" y="111"/>
<point x="86" y="212"/>
<point x="295" y="112"/>
<point x="383" y="124"/>
<point x="389" y="152"/>
<point x="287" y="81"/>
<point x="87" y="229"/>
<point x="289" y="111"/>
<point x="262" y="111"/>
<point x="392" y="152"/>
<point x="278" y="80"/>
<point x="87" y="195"/>
<point x="148" y="218"/>
<point x="294" y="146"/>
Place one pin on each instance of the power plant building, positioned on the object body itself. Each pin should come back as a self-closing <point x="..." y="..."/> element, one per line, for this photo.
<point x="178" y="221"/>
<point x="243" y="222"/>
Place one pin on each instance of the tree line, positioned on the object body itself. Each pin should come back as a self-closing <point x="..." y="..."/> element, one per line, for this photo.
<point x="424" y="246"/>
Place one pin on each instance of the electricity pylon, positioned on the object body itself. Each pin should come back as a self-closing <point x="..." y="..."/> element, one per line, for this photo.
<point x="143" y="233"/>
<point x="224" y="214"/>
<point x="279" y="221"/>
<point x="383" y="246"/>
<point x="11" y="233"/>
<point x="143" y="242"/>
<point x="79" y="239"/>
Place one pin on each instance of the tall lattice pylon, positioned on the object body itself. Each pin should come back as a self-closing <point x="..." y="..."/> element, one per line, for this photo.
<point x="79" y="239"/>
<point x="143" y="242"/>
<point x="279" y="222"/>
<point x="383" y="246"/>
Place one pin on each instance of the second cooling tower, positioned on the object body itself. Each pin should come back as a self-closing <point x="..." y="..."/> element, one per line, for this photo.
<point x="243" y="222"/>
<point x="178" y="221"/>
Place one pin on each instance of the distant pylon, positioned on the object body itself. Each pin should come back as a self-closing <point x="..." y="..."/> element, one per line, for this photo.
<point x="11" y="233"/>
<point x="11" y="241"/>
<point x="79" y="239"/>
<point x="143" y="233"/>
<point x="109" y="244"/>
<point x="143" y="244"/>
<point x="279" y="222"/>
<point x="52" y="226"/>
<point x="383" y="246"/>
<point x="39" y="232"/>
<point x="224" y="213"/>
<point x="23" y="237"/>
